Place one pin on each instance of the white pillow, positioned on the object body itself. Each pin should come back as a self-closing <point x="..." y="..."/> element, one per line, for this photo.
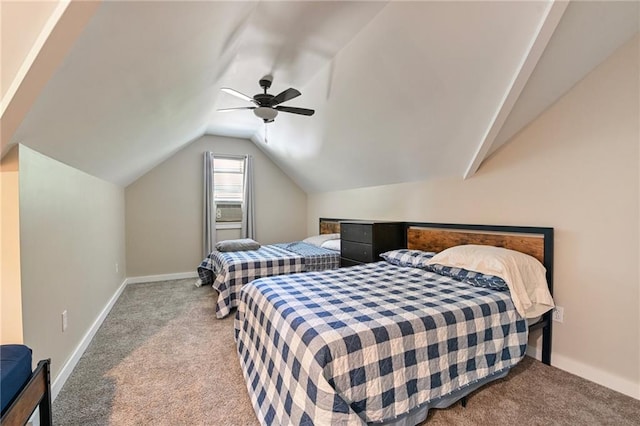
<point x="332" y="245"/>
<point x="524" y="274"/>
<point x="317" y="240"/>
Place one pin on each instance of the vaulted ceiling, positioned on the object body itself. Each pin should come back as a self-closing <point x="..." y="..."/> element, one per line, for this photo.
<point x="403" y="91"/>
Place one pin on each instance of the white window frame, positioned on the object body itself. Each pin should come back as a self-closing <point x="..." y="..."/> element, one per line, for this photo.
<point x="228" y="225"/>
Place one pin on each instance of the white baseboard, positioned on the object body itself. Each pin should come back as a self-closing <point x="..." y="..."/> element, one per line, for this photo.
<point x="68" y="367"/>
<point x="164" y="277"/>
<point x="596" y="375"/>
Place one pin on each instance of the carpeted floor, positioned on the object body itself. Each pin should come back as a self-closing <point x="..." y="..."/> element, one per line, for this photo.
<point x="162" y="358"/>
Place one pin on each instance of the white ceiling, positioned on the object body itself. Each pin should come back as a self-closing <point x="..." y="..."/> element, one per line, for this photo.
<point x="403" y="91"/>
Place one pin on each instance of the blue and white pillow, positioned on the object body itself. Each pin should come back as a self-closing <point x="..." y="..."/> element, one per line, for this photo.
<point x="406" y="257"/>
<point x="470" y="277"/>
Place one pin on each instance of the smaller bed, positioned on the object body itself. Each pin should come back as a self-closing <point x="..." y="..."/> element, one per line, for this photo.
<point x="228" y="271"/>
<point x="22" y="391"/>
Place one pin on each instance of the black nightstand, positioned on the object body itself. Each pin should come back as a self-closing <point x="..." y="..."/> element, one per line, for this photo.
<point x="363" y="241"/>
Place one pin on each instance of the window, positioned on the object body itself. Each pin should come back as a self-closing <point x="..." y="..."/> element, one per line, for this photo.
<point x="228" y="188"/>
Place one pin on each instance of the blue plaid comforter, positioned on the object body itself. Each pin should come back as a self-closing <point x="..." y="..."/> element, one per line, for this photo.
<point x="368" y="343"/>
<point x="315" y="258"/>
<point x="227" y="272"/>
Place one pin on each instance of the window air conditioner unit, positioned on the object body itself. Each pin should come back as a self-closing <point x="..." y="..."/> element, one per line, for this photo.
<point x="228" y="212"/>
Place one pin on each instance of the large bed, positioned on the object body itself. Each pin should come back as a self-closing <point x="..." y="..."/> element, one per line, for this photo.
<point x="228" y="271"/>
<point x="384" y="342"/>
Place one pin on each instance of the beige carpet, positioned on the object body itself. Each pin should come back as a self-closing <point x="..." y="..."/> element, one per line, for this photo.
<point x="162" y="358"/>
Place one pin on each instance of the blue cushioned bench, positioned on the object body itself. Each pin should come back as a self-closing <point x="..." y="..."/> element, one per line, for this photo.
<point x="21" y="390"/>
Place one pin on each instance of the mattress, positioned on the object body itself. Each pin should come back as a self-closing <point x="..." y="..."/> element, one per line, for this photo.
<point x="15" y="370"/>
<point x="315" y="258"/>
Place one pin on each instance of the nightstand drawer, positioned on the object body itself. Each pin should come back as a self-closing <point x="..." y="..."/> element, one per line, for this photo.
<point x="357" y="251"/>
<point x="358" y="232"/>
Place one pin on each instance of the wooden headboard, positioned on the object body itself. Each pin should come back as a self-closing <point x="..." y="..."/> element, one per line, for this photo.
<point x="435" y="239"/>
<point x="329" y="226"/>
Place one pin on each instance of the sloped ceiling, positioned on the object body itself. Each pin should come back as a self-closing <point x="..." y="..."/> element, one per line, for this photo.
<point x="403" y="91"/>
<point x="588" y="33"/>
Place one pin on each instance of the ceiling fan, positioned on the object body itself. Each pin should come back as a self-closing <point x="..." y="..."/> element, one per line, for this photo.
<point x="267" y="106"/>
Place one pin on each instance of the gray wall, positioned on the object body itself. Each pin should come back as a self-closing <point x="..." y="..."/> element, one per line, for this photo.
<point x="575" y="168"/>
<point x="71" y="237"/>
<point x="164" y="208"/>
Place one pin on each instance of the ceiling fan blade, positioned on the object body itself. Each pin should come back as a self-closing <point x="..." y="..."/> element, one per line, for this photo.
<point x="233" y="109"/>
<point x="238" y="94"/>
<point x="285" y="96"/>
<point x="302" y="111"/>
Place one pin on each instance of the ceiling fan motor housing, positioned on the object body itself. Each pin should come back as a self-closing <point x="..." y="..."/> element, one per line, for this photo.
<point x="263" y="99"/>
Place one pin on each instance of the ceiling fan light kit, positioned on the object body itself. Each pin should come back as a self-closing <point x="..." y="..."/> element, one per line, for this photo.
<point x="267" y="114"/>
<point x="267" y="106"/>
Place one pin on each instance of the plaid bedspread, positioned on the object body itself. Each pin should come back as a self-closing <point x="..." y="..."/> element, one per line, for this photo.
<point x="227" y="272"/>
<point x="234" y="269"/>
<point x="368" y="343"/>
<point x="315" y="258"/>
